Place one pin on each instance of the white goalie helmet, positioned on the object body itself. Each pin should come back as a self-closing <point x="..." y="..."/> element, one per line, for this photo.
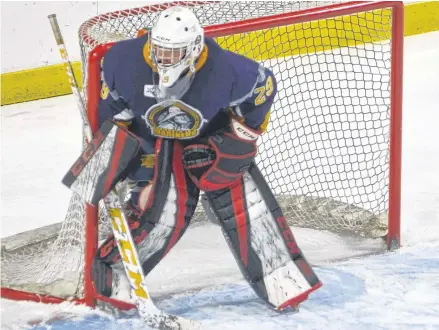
<point x="176" y="41"/>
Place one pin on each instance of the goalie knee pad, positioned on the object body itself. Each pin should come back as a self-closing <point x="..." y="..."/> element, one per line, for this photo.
<point x="262" y="242"/>
<point x="170" y="204"/>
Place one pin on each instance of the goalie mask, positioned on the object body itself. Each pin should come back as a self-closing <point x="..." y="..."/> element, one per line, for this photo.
<point x="176" y="41"/>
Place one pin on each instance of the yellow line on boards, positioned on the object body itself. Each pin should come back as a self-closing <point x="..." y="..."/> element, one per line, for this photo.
<point x="295" y="39"/>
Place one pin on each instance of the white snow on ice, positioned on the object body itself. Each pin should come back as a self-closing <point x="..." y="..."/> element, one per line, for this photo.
<point x="398" y="290"/>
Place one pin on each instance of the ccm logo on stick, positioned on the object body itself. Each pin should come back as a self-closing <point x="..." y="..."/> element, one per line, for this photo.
<point x="128" y="254"/>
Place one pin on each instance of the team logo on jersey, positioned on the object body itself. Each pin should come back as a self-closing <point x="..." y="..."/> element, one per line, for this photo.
<point x="174" y="119"/>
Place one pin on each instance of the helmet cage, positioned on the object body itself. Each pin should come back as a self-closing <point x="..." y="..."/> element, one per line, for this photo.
<point x="167" y="57"/>
<point x="171" y="60"/>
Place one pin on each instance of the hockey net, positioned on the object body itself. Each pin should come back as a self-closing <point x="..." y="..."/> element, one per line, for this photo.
<point x="332" y="149"/>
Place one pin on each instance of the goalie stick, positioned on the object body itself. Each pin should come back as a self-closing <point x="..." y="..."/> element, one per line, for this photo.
<point x="153" y="316"/>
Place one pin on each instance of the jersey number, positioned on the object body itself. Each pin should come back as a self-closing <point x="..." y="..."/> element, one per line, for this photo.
<point x="104" y="91"/>
<point x="264" y="91"/>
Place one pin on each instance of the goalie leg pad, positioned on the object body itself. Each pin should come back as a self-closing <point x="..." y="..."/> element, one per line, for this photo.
<point x="170" y="206"/>
<point x="262" y="242"/>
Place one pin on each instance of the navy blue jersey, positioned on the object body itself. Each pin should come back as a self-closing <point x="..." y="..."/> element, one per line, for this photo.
<point x="224" y="82"/>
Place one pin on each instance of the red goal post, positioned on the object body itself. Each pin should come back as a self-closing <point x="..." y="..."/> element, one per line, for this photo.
<point x="344" y="171"/>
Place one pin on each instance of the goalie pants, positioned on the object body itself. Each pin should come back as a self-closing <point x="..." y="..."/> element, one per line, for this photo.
<point x="250" y="218"/>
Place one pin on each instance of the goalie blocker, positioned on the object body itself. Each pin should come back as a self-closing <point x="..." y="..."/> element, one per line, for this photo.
<point x="103" y="163"/>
